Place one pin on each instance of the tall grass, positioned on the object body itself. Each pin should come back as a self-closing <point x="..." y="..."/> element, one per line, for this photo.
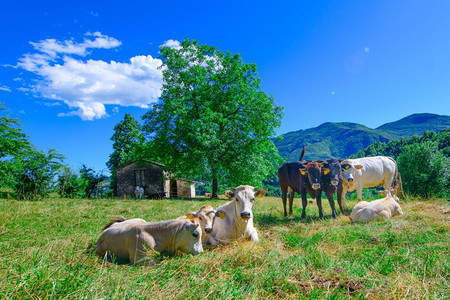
<point x="43" y="254"/>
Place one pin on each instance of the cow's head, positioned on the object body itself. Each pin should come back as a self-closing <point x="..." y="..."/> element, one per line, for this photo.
<point x="313" y="170"/>
<point x="206" y="216"/>
<point x="390" y="192"/>
<point x="245" y="196"/>
<point x="334" y="167"/>
<point x="348" y="170"/>
<point x="189" y="238"/>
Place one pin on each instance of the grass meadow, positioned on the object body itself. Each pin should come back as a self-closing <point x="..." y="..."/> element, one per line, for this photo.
<point x="43" y="254"/>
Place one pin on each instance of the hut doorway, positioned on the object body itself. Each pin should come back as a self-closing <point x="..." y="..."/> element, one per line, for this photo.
<point x="173" y="188"/>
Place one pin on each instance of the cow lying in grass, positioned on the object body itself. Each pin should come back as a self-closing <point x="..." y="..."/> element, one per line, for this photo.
<point x="129" y="240"/>
<point x="387" y="207"/>
<point x="206" y="216"/>
<point x="238" y="221"/>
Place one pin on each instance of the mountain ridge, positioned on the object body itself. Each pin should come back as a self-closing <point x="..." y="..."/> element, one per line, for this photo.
<point x="342" y="139"/>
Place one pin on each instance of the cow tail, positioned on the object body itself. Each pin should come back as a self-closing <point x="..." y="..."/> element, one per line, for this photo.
<point x="303" y="152"/>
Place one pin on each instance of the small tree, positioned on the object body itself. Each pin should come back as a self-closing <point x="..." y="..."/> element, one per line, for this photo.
<point x="93" y="181"/>
<point x="425" y="170"/>
<point x="213" y="121"/>
<point x="70" y="184"/>
<point x="127" y="135"/>
<point x="34" y="173"/>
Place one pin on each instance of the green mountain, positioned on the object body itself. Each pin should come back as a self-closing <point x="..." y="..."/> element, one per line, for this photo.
<point x="417" y="124"/>
<point x="341" y="140"/>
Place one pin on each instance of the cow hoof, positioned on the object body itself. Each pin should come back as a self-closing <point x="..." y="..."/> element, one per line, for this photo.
<point x="334" y="215"/>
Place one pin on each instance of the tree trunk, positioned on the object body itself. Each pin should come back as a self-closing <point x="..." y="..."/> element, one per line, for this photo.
<point x="215" y="184"/>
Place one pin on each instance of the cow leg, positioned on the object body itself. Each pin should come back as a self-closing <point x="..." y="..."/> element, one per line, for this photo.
<point x="333" y="208"/>
<point x="319" y="203"/>
<point x="359" y="193"/>
<point x="291" y="200"/>
<point x="283" y="197"/>
<point x="304" y="203"/>
<point x="341" y="200"/>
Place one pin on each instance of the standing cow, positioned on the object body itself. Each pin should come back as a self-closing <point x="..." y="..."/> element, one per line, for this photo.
<point x="367" y="172"/>
<point x="238" y="221"/>
<point x="331" y="183"/>
<point x="139" y="192"/>
<point x="301" y="177"/>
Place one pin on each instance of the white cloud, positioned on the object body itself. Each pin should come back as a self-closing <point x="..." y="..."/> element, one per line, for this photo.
<point x="88" y="85"/>
<point x="171" y="44"/>
<point x="5" y="88"/>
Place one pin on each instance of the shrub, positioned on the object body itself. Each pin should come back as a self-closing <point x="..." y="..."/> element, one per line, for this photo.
<point x="425" y="170"/>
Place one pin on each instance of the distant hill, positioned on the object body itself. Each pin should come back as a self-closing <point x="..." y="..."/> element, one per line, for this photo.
<point x="341" y="140"/>
<point x="416" y="124"/>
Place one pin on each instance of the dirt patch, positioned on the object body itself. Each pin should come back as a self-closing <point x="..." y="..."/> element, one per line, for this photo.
<point x="324" y="283"/>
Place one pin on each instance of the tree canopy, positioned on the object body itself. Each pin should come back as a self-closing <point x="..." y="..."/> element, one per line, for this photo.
<point x="212" y="121"/>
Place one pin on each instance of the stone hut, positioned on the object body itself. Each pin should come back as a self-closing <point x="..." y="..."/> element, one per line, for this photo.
<point x="156" y="182"/>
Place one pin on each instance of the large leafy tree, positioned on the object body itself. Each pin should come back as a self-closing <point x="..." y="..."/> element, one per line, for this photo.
<point x="213" y="122"/>
<point x="127" y="135"/>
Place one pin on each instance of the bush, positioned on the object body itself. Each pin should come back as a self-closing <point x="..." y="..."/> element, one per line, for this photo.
<point x="425" y="170"/>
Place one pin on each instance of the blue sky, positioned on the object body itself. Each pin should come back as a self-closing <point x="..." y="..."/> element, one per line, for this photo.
<point x="71" y="71"/>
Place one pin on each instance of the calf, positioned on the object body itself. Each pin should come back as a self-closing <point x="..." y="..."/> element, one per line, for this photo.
<point x="238" y="221"/>
<point x="368" y="172"/>
<point x="367" y="211"/>
<point x="206" y="216"/>
<point x="129" y="240"/>
<point x="300" y="177"/>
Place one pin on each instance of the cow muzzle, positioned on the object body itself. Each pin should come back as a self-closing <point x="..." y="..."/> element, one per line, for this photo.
<point x="350" y="180"/>
<point x="208" y="230"/>
<point x="245" y="215"/>
<point x="316" y="186"/>
<point x="334" y="182"/>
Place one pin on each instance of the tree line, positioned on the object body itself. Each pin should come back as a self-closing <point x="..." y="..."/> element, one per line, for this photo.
<point x="423" y="161"/>
<point x="27" y="173"/>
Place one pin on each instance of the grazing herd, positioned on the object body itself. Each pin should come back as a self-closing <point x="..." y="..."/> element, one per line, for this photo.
<point x="130" y="240"/>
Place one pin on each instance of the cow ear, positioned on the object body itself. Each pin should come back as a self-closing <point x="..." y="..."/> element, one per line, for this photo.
<point x="221" y="214"/>
<point x="260" y="193"/>
<point x="326" y="171"/>
<point x="229" y="194"/>
<point x="190" y="216"/>
<point x="303" y="171"/>
<point x="382" y="193"/>
<point x="359" y="167"/>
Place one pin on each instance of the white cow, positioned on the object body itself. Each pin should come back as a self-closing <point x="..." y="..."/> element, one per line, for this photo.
<point x="206" y="216"/>
<point x="238" y="221"/>
<point x="130" y="240"/>
<point x="139" y="192"/>
<point x="367" y="172"/>
<point x="387" y="207"/>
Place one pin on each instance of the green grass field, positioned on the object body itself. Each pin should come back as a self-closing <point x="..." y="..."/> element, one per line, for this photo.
<point x="43" y="254"/>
